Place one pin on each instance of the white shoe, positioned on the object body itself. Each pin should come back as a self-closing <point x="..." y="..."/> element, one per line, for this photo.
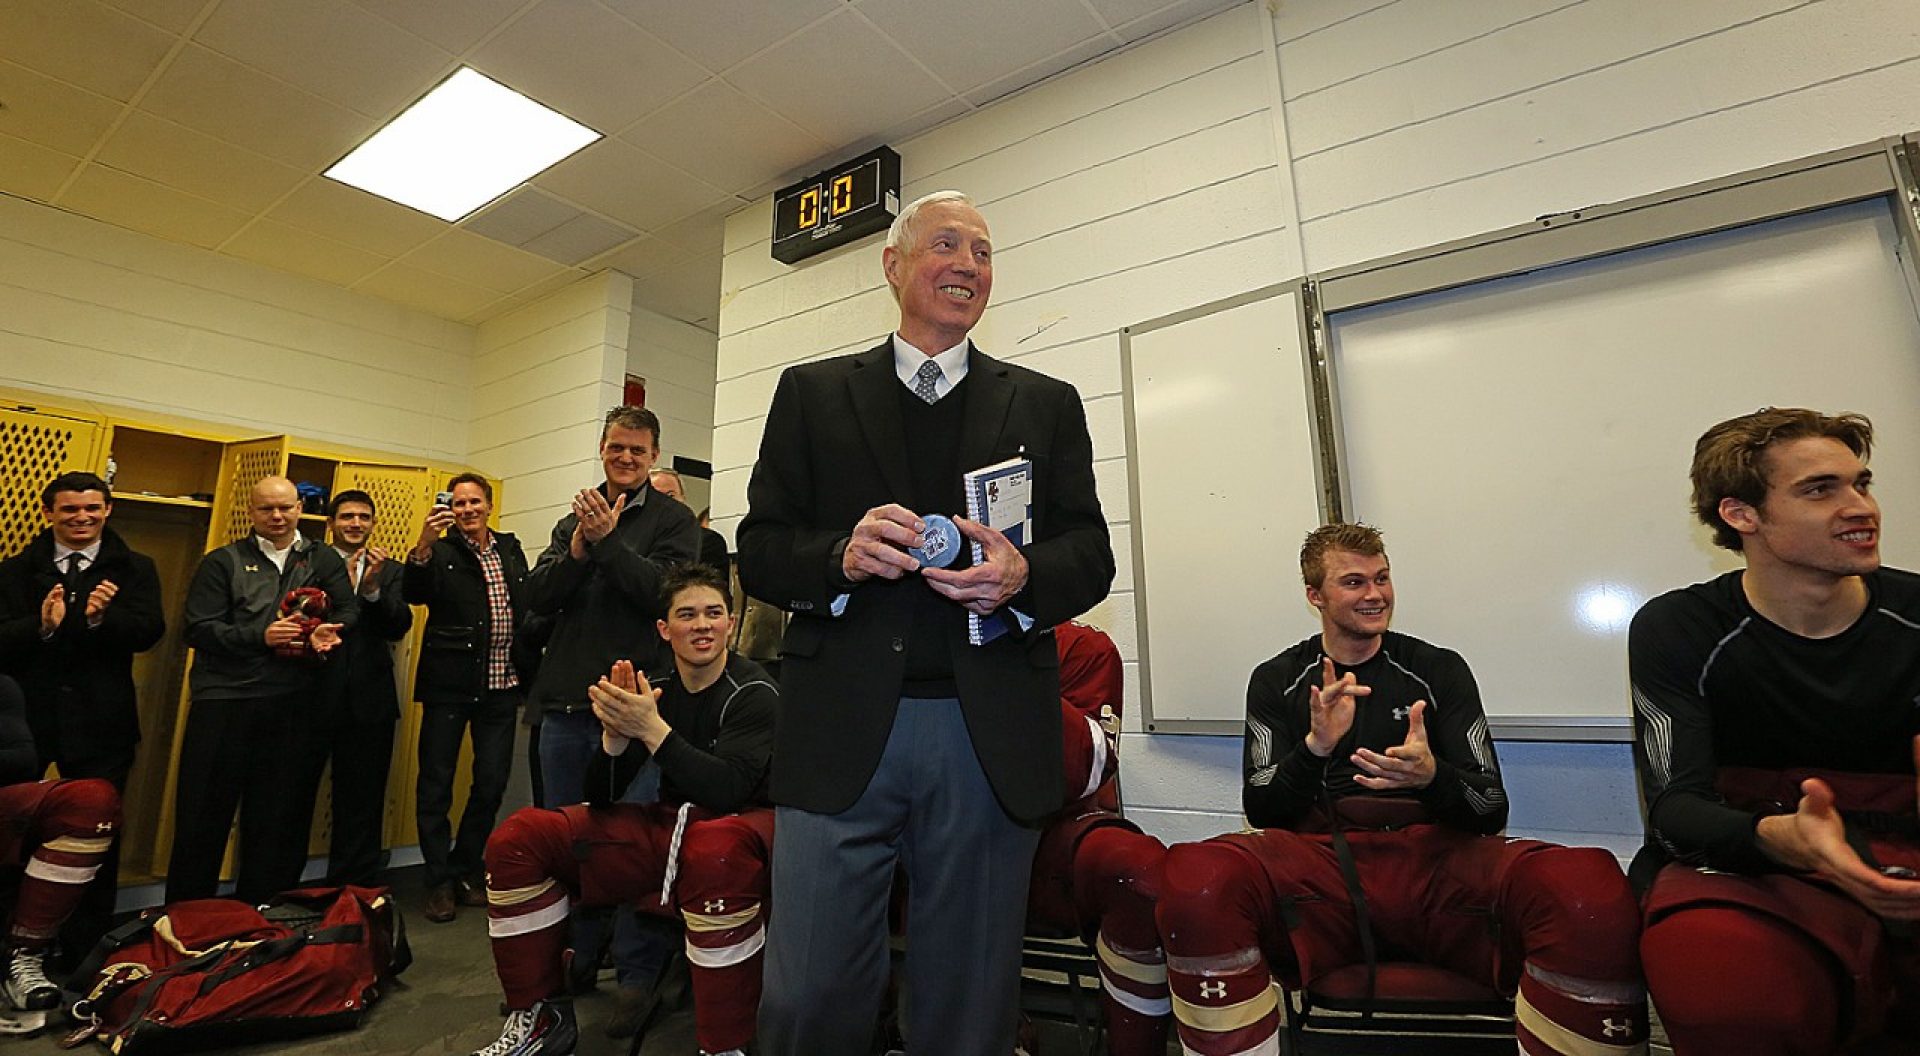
<point x="26" y="985"/>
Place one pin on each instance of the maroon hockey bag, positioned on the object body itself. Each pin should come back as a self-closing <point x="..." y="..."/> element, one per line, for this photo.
<point x="215" y="972"/>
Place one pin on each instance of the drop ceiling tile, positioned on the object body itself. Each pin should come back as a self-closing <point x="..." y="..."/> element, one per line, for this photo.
<point x="620" y="182"/>
<point x="302" y="252"/>
<point x="174" y="16"/>
<point x="1002" y="35"/>
<point x="689" y="293"/>
<point x="759" y="145"/>
<point x="1065" y="60"/>
<point x="42" y="110"/>
<point x="520" y="216"/>
<point x="455" y="25"/>
<point x="197" y="163"/>
<point x="644" y="257"/>
<point x="29" y="170"/>
<point x="588" y="63"/>
<point x="434" y="294"/>
<point x="584" y="237"/>
<point x="84" y="43"/>
<point x="225" y="99"/>
<point x="1173" y="13"/>
<point x="355" y="217"/>
<point x="480" y="261"/>
<point x="704" y="232"/>
<point x="839" y="79"/>
<point x="1120" y="12"/>
<point x="331" y="48"/>
<point x="719" y="33"/>
<point x="132" y="202"/>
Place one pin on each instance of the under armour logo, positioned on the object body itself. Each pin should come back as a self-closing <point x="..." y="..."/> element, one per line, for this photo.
<point x="714" y="905"/>
<point x="1610" y="1027"/>
<point x="103" y="826"/>
<point x="253" y="568"/>
<point x="1213" y="988"/>
<point x="1402" y="713"/>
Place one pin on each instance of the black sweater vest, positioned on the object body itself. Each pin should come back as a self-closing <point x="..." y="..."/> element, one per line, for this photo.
<point x="933" y="458"/>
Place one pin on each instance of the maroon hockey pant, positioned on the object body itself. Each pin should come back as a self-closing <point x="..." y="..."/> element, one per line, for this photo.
<point x="620" y="854"/>
<point x="1556" y="926"/>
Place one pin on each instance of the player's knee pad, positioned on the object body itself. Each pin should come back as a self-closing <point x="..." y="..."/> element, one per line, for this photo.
<point x="516" y="852"/>
<point x="1576" y="911"/>
<point x="1721" y="972"/>
<point x="86" y="806"/>
<point x="721" y="855"/>
<point x="1206" y="889"/>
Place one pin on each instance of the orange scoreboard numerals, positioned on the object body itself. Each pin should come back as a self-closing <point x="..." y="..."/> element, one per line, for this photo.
<point x="842" y="197"/>
<point x="809" y="207"/>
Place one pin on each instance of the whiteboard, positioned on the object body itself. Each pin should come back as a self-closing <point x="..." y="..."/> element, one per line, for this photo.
<point x="1524" y="443"/>
<point x="1222" y="460"/>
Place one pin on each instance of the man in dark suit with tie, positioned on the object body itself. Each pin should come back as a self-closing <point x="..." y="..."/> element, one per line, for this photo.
<point x="359" y="702"/>
<point x="898" y="742"/>
<point x="75" y="606"/>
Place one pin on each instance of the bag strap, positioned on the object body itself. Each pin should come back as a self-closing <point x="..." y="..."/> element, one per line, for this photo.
<point x="265" y="953"/>
<point x="1350" y="873"/>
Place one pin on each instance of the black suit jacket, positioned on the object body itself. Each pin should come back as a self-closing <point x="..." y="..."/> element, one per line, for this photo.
<point x="79" y="686"/>
<point x="834" y="448"/>
<point x="358" y="676"/>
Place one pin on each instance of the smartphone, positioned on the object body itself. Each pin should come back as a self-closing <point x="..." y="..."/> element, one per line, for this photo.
<point x="445" y="498"/>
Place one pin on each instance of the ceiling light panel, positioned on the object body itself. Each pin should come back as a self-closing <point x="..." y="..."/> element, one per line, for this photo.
<point x="465" y="143"/>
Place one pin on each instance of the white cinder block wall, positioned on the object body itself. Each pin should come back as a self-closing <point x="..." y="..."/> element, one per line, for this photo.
<point x="678" y="360"/>
<point x="102" y="313"/>
<point x="1152" y="181"/>
<point x="544" y="375"/>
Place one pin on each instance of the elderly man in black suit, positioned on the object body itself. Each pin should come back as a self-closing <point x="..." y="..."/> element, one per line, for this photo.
<point x="898" y="741"/>
<point x="75" y="606"/>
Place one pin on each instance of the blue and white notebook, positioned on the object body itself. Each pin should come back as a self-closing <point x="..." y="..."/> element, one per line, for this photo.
<point x="999" y="496"/>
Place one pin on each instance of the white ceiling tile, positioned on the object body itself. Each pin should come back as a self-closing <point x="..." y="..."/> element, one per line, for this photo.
<point x="455" y="25"/>
<point x="719" y="33"/>
<point x="1120" y="12"/>
<point x="357" y="218"/>
<point x="331" y="48"/>
<point x="704" y="232"/>
<point x="302" y="252"/>
<point x="29" y="170"/>
<point x="644" y="257"/>
<point x="584" y="237"/>
<point x="174" y="16"/>
<point x="1173" y="13"/>
<point x="689" y="292"/>
<point x="588" y="63"/>
<point x="480" y="261"/>
<point x="208" y="91"/>
<point x="132" y="202"/>
<point x="431" y="293"/>
<point x="1002" y="35"/>
<point x="520" y="216"/>
<point x="759" y="145"/>
<point x="840" y="79"/>
<point x="199" y="164"/>
<point x="42" y="110"/>
<point x="1082" y="52"/>
<point x="84" y="43"/>
<point x="619" y="181"/>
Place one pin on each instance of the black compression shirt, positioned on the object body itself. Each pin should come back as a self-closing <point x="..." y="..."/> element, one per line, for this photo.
<point x="1717" y="684"/>
<point x="1284" y="779"/>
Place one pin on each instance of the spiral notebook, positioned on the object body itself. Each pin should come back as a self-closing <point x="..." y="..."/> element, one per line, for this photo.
<point x="999" y="496"/>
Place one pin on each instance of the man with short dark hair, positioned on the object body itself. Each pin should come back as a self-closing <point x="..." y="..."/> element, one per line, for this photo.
<point x="1775" y="720"/>
<point x="708" y="719"/>
<point x="75" y="606"/>
<point x="599" y="579"/>
<point x="359" y="701"/>
<point x="472" y="581"/>
<point x="1376" y="796"/>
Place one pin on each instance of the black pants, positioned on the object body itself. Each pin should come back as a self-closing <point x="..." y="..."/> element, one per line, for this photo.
<point x="361" y="752"/>
<point x="452" y="856"/>
<point x="245" y="754"/>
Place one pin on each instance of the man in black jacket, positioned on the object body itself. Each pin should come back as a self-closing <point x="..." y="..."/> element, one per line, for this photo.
<point x="359" y="702"/>
<point x="708" y="719"/>
<point x="253" y="681"/>
<point x="600" y="581"/>
<point x="70" y="637"/>
<point x="713" y="545"/>
<point x="472" y="585"/>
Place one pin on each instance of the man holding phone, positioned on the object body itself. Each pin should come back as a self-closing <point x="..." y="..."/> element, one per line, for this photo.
<point x="470" y="582"/>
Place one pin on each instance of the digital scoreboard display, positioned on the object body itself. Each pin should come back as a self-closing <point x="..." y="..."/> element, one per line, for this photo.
<point x="849" y="201"/>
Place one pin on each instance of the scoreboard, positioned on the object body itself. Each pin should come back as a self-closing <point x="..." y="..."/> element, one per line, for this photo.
<point x="846" y="202"/>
